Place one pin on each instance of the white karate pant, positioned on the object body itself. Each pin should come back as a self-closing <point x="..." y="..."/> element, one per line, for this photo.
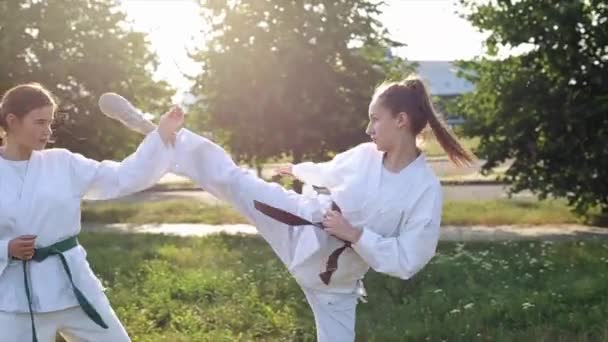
<point x="72" y="324"/>
<point x="335" y="314"/>
<point x="212" y="168"/>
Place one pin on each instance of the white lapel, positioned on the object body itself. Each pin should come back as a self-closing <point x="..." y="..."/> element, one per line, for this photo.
<point x="3" y="171"/>
<point x="372" y="177"/>
<point x="28" y="194"/>
<point x="410" y="177"/>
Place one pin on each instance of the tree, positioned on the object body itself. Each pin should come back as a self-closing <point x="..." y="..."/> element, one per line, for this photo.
<point x="80" y="49"/>
<point x="291" y="77"/>
<point x="547" y="109"/>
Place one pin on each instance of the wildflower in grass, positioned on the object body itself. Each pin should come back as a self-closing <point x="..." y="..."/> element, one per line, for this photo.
<point x="527" y="305"/>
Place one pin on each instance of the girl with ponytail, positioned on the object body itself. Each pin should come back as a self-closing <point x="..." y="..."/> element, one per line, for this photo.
<point x="381" y="208"/>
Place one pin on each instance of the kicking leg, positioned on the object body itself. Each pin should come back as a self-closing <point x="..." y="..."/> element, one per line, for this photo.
<point x="213" y="169"/>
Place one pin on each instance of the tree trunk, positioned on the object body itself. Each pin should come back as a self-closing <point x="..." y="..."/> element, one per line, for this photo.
<point x="297" y="185"/>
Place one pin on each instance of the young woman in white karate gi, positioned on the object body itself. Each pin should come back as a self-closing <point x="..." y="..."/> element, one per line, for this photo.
<point x="46" y="284"/>
<point x="390" y="202"/>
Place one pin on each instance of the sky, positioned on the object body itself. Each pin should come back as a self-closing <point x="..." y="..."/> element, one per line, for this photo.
<point x="431" y="29"/>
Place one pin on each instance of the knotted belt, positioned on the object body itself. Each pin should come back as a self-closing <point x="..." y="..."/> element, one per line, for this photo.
<point x="40" y="254"/>
<point x="294" y="220"/>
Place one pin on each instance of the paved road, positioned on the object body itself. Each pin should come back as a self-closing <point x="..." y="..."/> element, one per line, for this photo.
<point x="448" y="233"/>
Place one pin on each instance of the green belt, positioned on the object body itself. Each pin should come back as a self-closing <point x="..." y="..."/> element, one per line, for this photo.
<point x="40" y="254"/>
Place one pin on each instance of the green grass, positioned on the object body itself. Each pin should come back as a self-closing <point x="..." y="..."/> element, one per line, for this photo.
<point x="172" y="211"/>
<point x="508" y="211"/>
<point x="498" y="212"/>
<point x="182" y="185"/>
<point x="233" y="288"/>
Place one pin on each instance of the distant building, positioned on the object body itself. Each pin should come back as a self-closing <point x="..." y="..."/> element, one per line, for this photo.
<point x="442" y="79"/>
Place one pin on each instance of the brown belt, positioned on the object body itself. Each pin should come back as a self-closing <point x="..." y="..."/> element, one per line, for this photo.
<point x="294" y="220"/>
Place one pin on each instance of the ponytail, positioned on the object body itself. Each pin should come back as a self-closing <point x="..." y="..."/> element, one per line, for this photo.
<point x="448" y="141"/>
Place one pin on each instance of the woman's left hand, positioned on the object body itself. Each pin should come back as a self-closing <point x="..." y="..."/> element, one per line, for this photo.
<point x="336" y="225"/>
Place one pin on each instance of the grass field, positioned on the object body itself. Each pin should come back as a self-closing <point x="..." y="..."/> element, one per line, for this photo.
<point x="233" y="288"/>
<point x="498" y="212"/>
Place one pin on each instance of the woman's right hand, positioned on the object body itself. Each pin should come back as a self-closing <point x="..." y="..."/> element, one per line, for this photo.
<point x="286" y="170"/>
<point x="22" y="247"/>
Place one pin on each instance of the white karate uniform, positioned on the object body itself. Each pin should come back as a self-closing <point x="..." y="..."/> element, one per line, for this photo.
<point x="42" y="197"/>
<point x="400" y="227"/>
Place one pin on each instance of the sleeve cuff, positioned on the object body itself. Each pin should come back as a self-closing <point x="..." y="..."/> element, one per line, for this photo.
<point x="365" y="245"/>
<point x="186" y="140"/>
<point x="299" y="170"/>
<point x="4" y="250"/>
<point x="155" y="138"/>
<point x="167" y="153"/>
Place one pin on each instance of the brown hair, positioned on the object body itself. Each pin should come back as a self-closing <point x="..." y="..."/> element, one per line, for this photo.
<point x="411" y="97"/>
<point x="22" y="99"/>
